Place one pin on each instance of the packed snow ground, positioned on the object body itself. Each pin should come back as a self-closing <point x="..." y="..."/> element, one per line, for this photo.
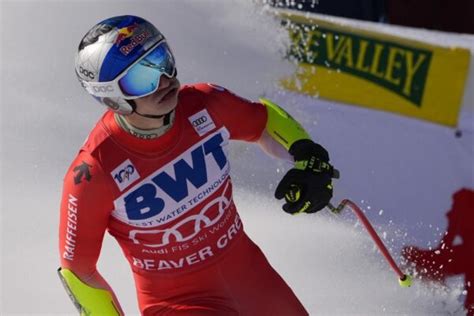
<point x="329" y="261"/>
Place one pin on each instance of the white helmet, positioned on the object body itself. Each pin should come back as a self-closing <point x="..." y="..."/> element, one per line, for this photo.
<point x="121" y="59"/>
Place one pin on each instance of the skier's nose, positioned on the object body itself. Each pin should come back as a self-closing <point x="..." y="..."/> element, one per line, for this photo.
<point x="165" y="82"/>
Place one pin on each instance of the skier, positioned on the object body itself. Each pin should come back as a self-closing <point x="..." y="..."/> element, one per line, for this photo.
<point x="154" y="173"/>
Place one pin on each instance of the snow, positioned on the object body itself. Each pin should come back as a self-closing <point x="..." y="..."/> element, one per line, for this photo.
<point x="386" y="162"/>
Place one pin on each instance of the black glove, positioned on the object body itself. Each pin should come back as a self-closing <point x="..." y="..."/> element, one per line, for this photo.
<point x="308" y="186"/>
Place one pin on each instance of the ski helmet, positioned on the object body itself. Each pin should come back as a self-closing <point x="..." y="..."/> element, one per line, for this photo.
<point x="122" y="58"/>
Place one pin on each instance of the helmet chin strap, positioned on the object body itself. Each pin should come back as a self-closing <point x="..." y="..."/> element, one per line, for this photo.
<point x="166" y="116"/>
<point x="151" y="116"/>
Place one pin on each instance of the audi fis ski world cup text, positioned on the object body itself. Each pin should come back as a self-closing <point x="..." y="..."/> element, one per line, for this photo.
<point x="202" y="254"/>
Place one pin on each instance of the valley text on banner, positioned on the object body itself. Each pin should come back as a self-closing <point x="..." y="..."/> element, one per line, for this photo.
<point x="376" y="70"/>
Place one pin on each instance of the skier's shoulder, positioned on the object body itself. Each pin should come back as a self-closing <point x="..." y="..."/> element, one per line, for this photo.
<point x="203" y="90"/>
<point x="85" y="178"/>
<point x="91" y="150"/>
<point x="85" y="160"/>
<point x="212" y="96"/>
<point x="94" y="145"/>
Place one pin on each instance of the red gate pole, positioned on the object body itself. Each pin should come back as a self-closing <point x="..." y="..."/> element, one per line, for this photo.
<point x="403" y="279"/>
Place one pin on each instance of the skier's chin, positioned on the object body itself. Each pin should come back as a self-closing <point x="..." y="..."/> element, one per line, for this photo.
<point x="169" y="101"/>
<point x="161" y="101"/>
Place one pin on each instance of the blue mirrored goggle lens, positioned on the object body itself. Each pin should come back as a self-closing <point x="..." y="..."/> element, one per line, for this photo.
<point x="144" y="77"/>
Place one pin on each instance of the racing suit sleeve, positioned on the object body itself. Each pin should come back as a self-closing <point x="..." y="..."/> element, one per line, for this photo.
<point x="263" y="122"/>
<point x="245" y="120"/>
<point x="84" y="214"/>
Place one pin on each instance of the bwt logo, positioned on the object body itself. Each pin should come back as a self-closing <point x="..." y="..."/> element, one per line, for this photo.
<point x="180" y="232"/>
<point x="197" y="167"/>
<point x="199" y="121"/>
<point x="124" y="174"/>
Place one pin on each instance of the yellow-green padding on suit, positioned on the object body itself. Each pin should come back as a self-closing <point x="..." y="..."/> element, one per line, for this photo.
<point x="89" y="300"/>
<point x="281" y="126"/>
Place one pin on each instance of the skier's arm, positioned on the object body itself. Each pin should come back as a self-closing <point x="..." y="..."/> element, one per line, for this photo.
<point x="281" y="127"/>
<point x="307" y="187"/>
<point x="273" y="148"/>
<point x="280" y="132"/>
<point x="262" y="122"/>
<point x="84" y="216"/>
<point x="88" y="299"/>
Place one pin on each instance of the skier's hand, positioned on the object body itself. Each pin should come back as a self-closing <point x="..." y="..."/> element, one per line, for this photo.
<point x="307" y="188"/>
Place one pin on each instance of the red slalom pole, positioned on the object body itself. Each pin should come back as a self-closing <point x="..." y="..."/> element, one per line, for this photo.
<point x="403" y="279"/>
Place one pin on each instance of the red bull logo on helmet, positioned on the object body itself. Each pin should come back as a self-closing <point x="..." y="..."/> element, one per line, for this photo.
<point x="125" y="32"/>
<point x="135" y="40"/>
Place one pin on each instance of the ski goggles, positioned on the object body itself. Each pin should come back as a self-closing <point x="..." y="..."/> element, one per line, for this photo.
<point x="139" y="79"/>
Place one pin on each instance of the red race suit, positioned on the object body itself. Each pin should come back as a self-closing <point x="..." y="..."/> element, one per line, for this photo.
<point x="168" y="202"/>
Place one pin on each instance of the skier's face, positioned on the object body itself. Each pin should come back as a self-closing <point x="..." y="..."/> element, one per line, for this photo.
<point x="163" y="100"/>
